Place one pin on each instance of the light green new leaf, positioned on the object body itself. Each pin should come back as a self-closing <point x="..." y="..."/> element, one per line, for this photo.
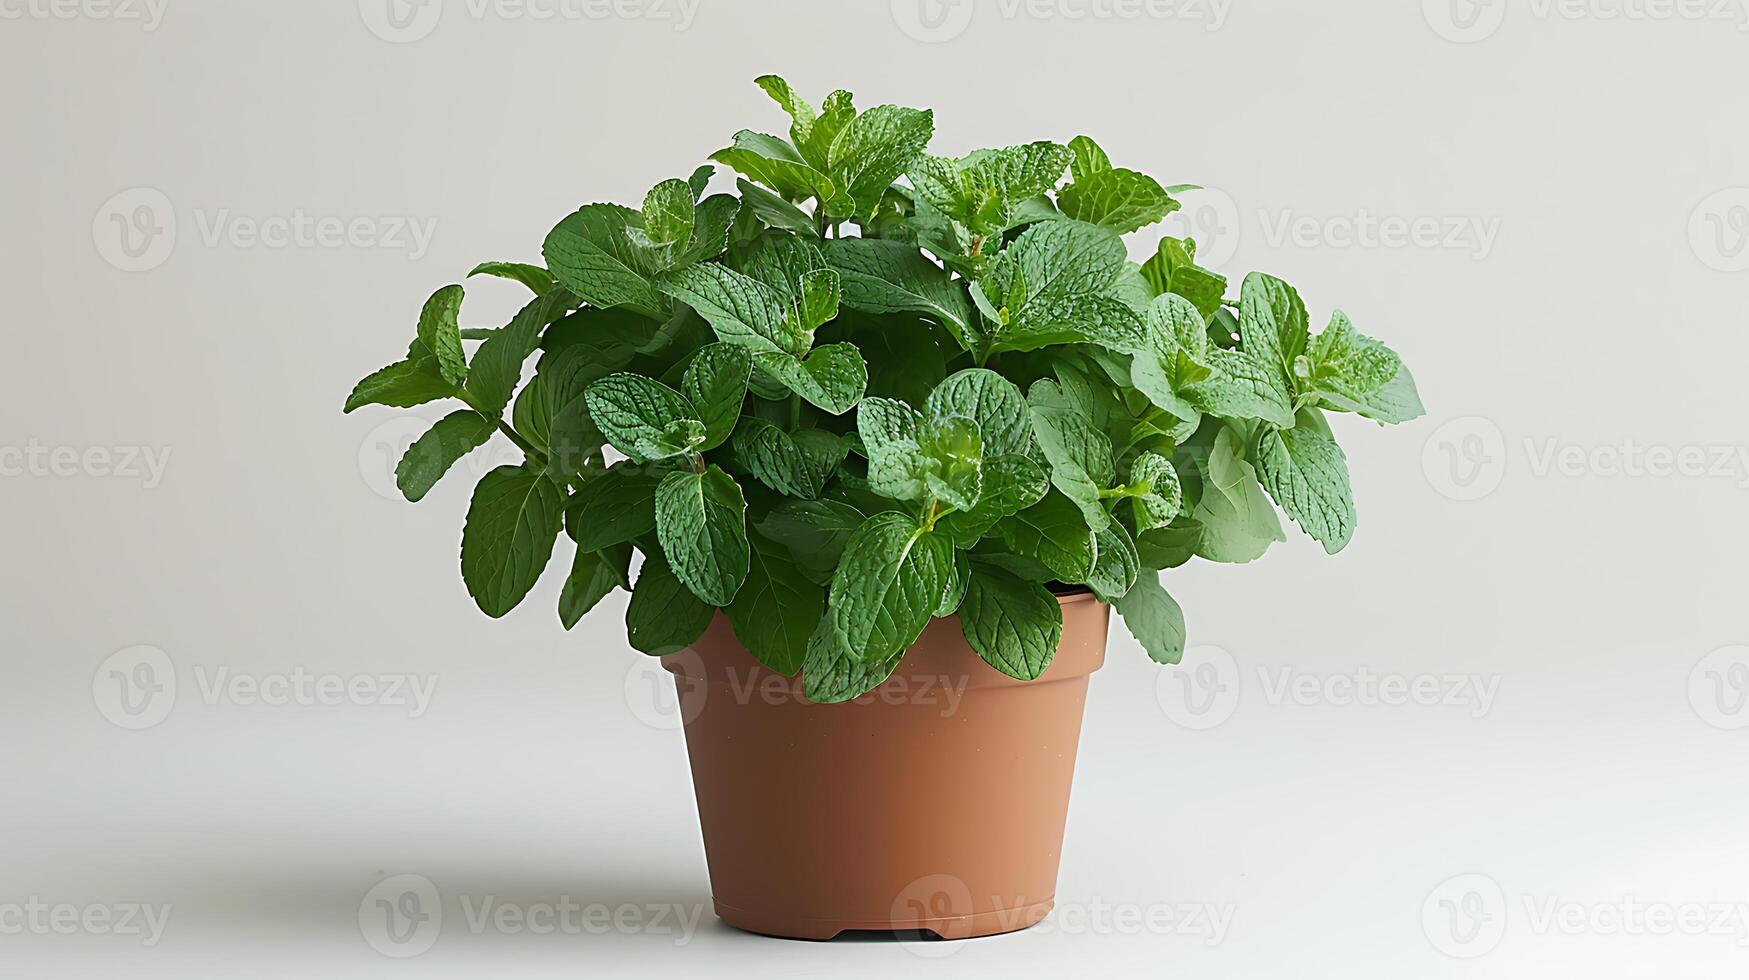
<point x="1241" y="386"/>
<point x="1173" y="355"/>
<point x="990" y="400"/>
<point x="1013" y="625"/>
<point x="818" y="298"/>
<point x="664" y="616"/>
<point x="1307" y="474"/>
<point x="701" y="522"/>
<point x="1173" y="270"/>
<point x="871" y="151"/>
<point x="1115" y="198"/>
<point x="955" y="450"/>
<point x="1352" y="372"/>
<point x="1155" y="620"/>
<point x="888" y="586"/>
<point x="441" y="334"/>
<point x="593" y="575"/>
<point x="1159" y="496"/>
<point x="1058" y="284"/>
<point x="984" y="191"/>
<point x="512" y="522"/>
<point x="1273" y="327"/>
<point x="1115" y="564"/>
<point x="1011" y="484"/>
<point x="1080" y="454"/>
<point x="892" y="433"/>
<point x="777" y="609"/>
<point x="644" y="418"/>
<point x="1238" y="522"/>
<point x="668" y="214"/>
<point x="432" y="454"/>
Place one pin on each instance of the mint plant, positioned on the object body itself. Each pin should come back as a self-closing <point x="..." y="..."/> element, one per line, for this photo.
<point x="873" y="387"/>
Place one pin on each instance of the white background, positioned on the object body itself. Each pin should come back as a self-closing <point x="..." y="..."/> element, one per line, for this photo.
<point x="1591" y="305"/>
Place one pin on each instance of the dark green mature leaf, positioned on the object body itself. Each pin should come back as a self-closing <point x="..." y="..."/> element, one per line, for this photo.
<point x="715" y="383"/>
<point x="508" y="539"/>
<point x="1240" y="386"/>
<point x="888" y="586"/>
<point x="591" y="253"/>
<point x="1053" y="532"/>
<point x="1115" y="564"/>
<point x="440" y="333"/>
<point x="613" y="506"/>
<point x="402" y="385"/>
<point x="741" y="309"/>
<point x="990" y="400"/>
<point x="893" y="277"/>
<point x="432" y="454"/>
<point x="831" y="378"/>
<point x="701" y="522"/>
<point x="1307" y="474"/>
<point x="777" y="609"/>
<point x="775" y="211"/>
<point x="771" y="161"/>
<point x="815" y="532"/>
<point x="593" y="575"/>
<point x="498" y="363"/>
<point x="1170" y="546"/>
<point x="537" y="279"/>
<point x="1011" y="484"/>
<point x="832" y="675"/>
<point x="794" y="465"/>
<point x="644" y="418"/>
<point x="664" y="616"/>
<point x="1013" y="625"/>
<point x="1154" y="618"/>
<point x="892" y="433"/>
<point x="955" y="594"/>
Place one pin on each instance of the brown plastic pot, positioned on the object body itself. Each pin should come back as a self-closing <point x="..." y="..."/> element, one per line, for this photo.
<point x="935" y="802"/>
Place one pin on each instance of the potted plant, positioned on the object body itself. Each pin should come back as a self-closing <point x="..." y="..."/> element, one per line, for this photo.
<point x="891" y="429"/>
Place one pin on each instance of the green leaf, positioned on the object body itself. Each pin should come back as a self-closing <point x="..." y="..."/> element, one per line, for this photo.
<point x="771" y="161"/>
<point x="794" y="465"/>
<point x="959" y="577"/>
<point x="1159" y="495"/>
<point x="1273" y="327"/>
<point x="591" y="253"/>
<point x="1307" y="474"/>
<point x="888" y="586"/>
<point x="832" y="675"/>
<point x="777" y="609"/>
<point x="819" y="297"/>
<point x="700" y="179"/>
<point x="508" y="539"/>
<point x="1238" y="522"/>
<point x="892" y="433"/>
<point x="1011" y="484"/>
<point x="1352" y="372"/>
<point x="1115" y="198"/>
<point x="990" y="400"/>
<point x="1115" y="565"/>
<point x="402" y="385"/>
<point x="955" y="451"/>
<point x="1079" y="453"/>
<point x="537" y="279"/>
<point x="892" y="277"/>
<point x="663" y="616"/>
<point x="432" y="454"/>
<point x="1155" y="620"/>
<point x="711" y="223"/>
<point x="1169" y="546"/>
<point x="1173" y="270"/>
<point x="872" y="151"/>
<point x="742" y="310"/>
<point x="983" y="192"/>
<point x="644" y="418"/>
<point x="1054" y="532"/>
<point x="701" y="520"/>
<point x="614" y="506"/>
<point x="1057" y="284"/>
<point x="831" y="378"/>
<point x="1173" y="355"/>
<point x="775" y="211"/>
<point x="815" y="532"/>
<point x="498" y="363"/>
<point x="593" y="575"/>
<point x="1240" y="386"/>
<point x="668" y="213"/>
<point x="442" y="335"/>
<point x="715" y="383"/>
<point x="1013" y="625"/>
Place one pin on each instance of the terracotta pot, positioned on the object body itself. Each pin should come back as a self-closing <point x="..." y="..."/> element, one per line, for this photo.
<point x="935" y="802"/>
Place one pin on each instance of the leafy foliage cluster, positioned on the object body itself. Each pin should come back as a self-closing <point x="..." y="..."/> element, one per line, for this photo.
<point x="972" y="403"/>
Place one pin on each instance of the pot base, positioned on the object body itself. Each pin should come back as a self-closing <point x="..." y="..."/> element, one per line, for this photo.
<point x="991" y="923"/>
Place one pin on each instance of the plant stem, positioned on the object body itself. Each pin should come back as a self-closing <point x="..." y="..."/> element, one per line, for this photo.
<point x="795" y="411"/>
<point x="521" y="443"/>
